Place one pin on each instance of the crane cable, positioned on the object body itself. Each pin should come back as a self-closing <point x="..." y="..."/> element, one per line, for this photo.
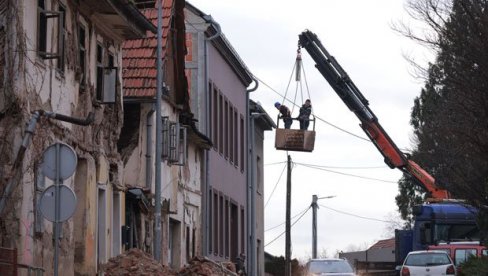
<point x="297" y="71"/>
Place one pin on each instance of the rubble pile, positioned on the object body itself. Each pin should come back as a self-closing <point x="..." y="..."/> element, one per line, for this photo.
<point x="136" y="262"/>
<point x="206" y="267"/>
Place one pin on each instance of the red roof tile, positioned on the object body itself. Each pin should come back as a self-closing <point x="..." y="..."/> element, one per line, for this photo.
<point x="139" y="56"/>
<point x="389" y="243"/>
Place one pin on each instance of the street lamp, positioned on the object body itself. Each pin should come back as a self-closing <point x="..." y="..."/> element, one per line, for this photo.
<point x="314" y="223"/>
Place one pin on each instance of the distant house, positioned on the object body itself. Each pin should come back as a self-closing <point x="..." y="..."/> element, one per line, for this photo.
<point x="380" y="257"/>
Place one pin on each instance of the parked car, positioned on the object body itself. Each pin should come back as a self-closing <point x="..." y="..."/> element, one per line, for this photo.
<point x="329" y="267"/>
<point x="461" y="251"/>
<point x="428" y="263"/>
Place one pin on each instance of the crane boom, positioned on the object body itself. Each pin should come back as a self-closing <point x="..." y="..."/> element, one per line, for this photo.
<point x="357" y="103"/>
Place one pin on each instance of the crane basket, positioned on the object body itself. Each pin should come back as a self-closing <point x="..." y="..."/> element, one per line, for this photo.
<point x="295" y="139"/>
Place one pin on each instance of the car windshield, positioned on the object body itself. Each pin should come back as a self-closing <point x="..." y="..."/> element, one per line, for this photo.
<point x="329" y="266"/>
<point x="427" y="259"/>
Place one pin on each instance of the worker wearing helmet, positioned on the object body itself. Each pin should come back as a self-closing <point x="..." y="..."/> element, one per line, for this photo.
<point x="285" y="114"/>
<point x="304" y="115"/>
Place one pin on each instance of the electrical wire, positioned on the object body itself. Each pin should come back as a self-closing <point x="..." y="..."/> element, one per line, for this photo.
<point x="276" y="226"/>
<point x="345" y="168"/>
<point x="274" y="188"/>
<point x="290" y="227"/>
<point x="276" y="163"/>
<point x="347" y="174"/>
<point x="354" y="215"/>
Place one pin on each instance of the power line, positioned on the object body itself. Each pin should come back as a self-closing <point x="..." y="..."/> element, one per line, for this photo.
<point x="290" y="226"/>
<point x="345" y="168"/>
<point x="354" y="215"/>
<point x="275" y="163"/>
<point x="274" y="188"/>
<point x="276" y="226"/>
<point x="347" y="174"/>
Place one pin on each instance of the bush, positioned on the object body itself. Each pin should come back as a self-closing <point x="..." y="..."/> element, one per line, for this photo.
<point x="474" y="267"/>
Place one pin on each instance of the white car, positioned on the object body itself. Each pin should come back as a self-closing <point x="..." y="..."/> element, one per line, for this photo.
<point x="428" y="263"/>
<point x="329" y="267"/>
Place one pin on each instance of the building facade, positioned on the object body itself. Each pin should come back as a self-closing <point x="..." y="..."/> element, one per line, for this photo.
<point x="183" y="145"/>
<point x="60" y="79"/>
<point x="220" y="85"/>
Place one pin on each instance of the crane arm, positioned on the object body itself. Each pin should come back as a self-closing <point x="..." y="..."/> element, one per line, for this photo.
<point x="357" y="103"/>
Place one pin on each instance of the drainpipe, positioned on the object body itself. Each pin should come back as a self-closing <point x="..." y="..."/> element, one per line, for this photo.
<point x="29" y="132"/>
<point x="251" y="211"/>
<point x="206" y="186"/>
<point x="157" y="165"/>
<point x="149" y="147"/>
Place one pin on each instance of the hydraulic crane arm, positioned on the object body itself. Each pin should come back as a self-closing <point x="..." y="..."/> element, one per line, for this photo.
<point x="357" y="103"/>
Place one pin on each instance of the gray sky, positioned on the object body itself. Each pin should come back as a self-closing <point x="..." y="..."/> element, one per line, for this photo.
<point x="359" y="34"/>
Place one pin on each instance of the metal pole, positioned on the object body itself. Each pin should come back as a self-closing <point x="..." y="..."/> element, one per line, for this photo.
<point x="288" y="225"/>
<point x="314" y="226"/>
<point x="57" y="210"/>
<point x="252" y="250"/>
<point x="157" y="188"/>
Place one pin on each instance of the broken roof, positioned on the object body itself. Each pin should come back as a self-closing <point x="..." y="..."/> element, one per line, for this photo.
<point x="139" y="56"/>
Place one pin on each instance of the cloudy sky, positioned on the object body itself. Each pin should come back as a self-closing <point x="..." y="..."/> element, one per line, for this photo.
<point x="359" y="34"/>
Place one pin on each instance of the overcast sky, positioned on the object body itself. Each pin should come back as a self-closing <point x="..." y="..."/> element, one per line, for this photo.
<point x="359" y="34"/>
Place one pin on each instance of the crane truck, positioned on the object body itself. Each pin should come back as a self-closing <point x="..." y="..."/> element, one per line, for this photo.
<point x="442" y="219"/>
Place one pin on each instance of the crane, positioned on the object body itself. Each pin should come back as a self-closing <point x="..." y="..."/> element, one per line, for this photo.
<point x="357" y="103"/>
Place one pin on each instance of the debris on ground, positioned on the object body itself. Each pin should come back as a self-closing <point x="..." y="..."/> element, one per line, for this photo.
<point x="135" y="262"/>
<point x="206" y="267"/>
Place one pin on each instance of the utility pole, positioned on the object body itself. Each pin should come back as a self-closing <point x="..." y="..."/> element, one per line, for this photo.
<point x="314" y="223"/>
<point x="314" y="226"/>
<point x="288" y="225"/>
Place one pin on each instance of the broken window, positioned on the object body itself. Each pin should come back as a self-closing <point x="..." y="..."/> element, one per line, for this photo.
<point x="82" y="55"/>
<point x="106" y="77"/>
<point x="42" y="18"/>
<point x="41" y="28"/>
<point x="174" y="142"/>
<point x="177" y="144"/>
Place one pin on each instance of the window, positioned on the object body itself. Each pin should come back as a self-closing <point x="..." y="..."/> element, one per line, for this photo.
<point x="231" y="133"/>
<point x="221" y="222"/>
<point x="99" y="71"/>
<point x="177" y="144"/>
<point x="221" y="124"/>
<point x="41" y="28"/>
<point x="226" y="226"/>
<point x="210" y="218"/>
<point x="226" y="129"/>
<point x="236" y="141"/>
<point x="43" y="16"/>
<point x="215" y="206"/>
<point x="106" y="77"/>
<point x="82" y="54"/>
<point x="215" y="115"/>
<point x="61" y="36"/>
<point x="210" y="113"/>
<point x="242" y="143"/>
<point x="462" y="255"/>
<point x="243" y="231"/>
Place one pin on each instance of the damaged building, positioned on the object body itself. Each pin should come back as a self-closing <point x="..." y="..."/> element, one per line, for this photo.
<point x="61" y="83"/>
<point x="183" y="145"/>
<point x="82" y="76"/>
